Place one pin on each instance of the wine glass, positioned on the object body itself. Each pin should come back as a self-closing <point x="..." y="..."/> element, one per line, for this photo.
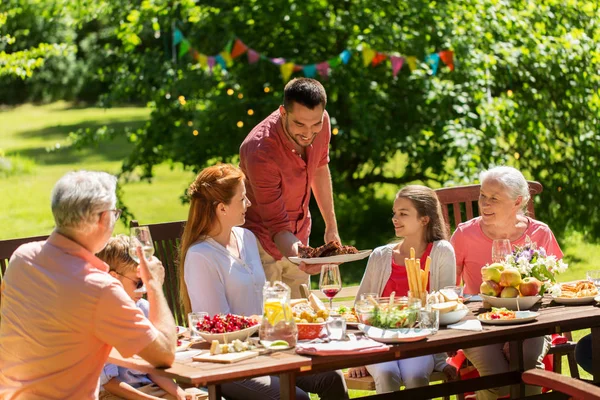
<point x="330" y="282"/>
<point x="500" y="249"/>
<point x="193" y="319"/>
<point x="140" y="237"/>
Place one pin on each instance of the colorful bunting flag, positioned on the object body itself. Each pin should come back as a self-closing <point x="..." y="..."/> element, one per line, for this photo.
<point x="228" y="46"/>
<point x="211" y="63"/>
<point x="298" y="68"/>
<point x="334" y="62"/>
<point x="412" y="62"/>
<point x="368" y="55"/>
<point x="227" y="58"/>
<point x="253" y="56"/>
<point x="310" y="70"/>
<point x="323" y="69"/>
<point x="378" y="59"/>
<point x="239" y="48"/>
<point x="397" y="63"/>
<point x="177" y="37"/>
<point x="184" y="47"/>
<point x="286" y="70"/>
<point x="195" y="54"/>
<point x="203" y="60"/>
<point x="434" y="61"/>
<point x="447" y="56"/>
<point x="278" y="60"/>
<point x="345" y="56"/>
<point x="221" y="61"/>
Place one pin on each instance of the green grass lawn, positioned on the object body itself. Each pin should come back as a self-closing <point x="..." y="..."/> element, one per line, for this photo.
<point x="26" y="132"/>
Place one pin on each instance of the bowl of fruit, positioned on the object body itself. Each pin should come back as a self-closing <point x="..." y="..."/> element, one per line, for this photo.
<point x="226" y="328"/>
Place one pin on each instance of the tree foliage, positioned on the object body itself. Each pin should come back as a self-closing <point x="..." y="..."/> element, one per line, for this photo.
<point x="524" y="92"/>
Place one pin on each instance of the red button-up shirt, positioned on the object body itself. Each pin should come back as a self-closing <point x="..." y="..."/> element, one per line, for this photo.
<point x="278" y="180"/>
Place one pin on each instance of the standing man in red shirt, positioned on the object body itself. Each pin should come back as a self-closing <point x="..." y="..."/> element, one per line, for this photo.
<point x="285" y="157"/>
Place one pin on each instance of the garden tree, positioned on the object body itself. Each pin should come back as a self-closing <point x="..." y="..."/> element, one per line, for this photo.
<point x="524" y="93"/>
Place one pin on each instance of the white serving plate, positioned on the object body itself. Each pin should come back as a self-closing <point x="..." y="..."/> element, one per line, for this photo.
<point x="521" y="317"/>
<point x="394" y="335"/>
<point x="453" y="317"/>
<point x="525" y="303"/>
<point x="574" y="300"/>
<point x="230" y="336"/>
<point x="332" y="259"/>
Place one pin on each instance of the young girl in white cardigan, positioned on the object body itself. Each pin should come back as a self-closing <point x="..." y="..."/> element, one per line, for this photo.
<point x="417" y="219"/>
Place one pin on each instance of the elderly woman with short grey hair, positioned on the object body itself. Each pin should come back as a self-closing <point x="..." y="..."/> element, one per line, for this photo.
<point x="503" y="199"/>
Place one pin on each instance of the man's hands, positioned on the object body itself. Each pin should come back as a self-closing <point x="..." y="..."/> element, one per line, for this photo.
<point x="151" y="271"/>
<point x="358" y="372"/>
<point x="332" y="234"/>
<point x="451" y="373"/>
<point x="311" y="269"/>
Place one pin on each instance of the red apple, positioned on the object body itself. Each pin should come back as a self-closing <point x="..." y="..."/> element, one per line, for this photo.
<point x="490" y="288"/>
<point x="509" y="292"/>
<point x="530" y="286"/>
<point x="510" y="277"/>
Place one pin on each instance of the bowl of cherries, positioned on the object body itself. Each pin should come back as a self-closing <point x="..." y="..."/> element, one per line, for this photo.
<point x="226" y="328"/>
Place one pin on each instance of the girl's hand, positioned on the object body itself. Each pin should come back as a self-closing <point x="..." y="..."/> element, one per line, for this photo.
<point x="358" y="372"/>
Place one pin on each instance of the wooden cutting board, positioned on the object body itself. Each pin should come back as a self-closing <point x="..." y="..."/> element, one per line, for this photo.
<point x="226" y="358"/>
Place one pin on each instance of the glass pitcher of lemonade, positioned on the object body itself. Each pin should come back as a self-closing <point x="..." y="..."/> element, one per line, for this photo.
<point x="278" y="319"/>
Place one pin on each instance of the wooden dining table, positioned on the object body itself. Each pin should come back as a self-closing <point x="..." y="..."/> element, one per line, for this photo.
<point x="553" y="318"/>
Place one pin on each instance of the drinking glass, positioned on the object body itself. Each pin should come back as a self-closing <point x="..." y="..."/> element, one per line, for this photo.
<point x="500" y="249"/>
<point x="429" y="319"/>
<point x="140" y="237"/>
<point x="330" y="282"/>
<point x="456" y="289"/>
<point x="365" y="296"/>
<point x="193" y="319"/>
<point x="594" y="277"/>
<point x="336" y="328"/>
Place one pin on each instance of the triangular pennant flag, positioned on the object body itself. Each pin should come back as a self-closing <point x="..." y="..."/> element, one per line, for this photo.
<point x="334" y="62"/>
<point x="278" y="61"/>
<point x="310" y="70"/>
<point x="396" y="64"/>
<point x="434" y="61"/>
<point x="227" y="58"/>
<point x="211" y="63"/>
<point x="202" y="60"/>
<point x="298" y="68"/>
<point x="195" y="54"/>
<point x="412" y="62"/>
<point x="239" y="48"/>
<point x="253" y="56"/>
<point x="323" y="69"/>
<point x="345" y="56"/>
<point x="228" y="46"/>
<point x="447" y="56"/>
<point x="221" y="61"/>
<point x="184" y="47"/>
<point x="177" y="37"/>
<point x="378" y="59"/>
<point x="286" y="71"/>
<point x="368" y="55"/>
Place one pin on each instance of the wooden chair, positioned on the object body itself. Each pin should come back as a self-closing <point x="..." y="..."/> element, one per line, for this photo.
<point x="166" y="237"/>
<point x="576" y="389"/>
<point x="8" y="247"/>
<point x="459" y="204"/>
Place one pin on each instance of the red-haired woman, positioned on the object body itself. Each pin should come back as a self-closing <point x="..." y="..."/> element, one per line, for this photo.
<point x="220" y="272"/>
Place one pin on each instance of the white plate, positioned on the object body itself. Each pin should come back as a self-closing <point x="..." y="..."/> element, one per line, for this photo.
<point x="332" y="259"/>
<point x="522" y="317"/>
<point x="453" y="317"/>
<point x="230" y="336"/>
<point x="185" y="344"/>
<point x="525" y="303"/>
<point x="575" y="300"/>
<point x="394" y="335"/>
<point x="181" y="330"/>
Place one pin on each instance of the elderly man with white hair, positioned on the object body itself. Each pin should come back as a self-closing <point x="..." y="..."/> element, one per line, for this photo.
<point x="61" y="311"/>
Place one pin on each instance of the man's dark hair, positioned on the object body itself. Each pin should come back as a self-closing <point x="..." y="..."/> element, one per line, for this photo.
<point x="306" y="91"/>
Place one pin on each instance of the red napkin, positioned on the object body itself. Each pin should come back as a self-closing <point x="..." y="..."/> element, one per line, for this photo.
<point x="340" y="348"/>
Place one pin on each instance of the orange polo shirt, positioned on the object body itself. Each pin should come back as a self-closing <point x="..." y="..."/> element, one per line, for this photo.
<point x="278" y="180"/>
<point x="61" y="313"/>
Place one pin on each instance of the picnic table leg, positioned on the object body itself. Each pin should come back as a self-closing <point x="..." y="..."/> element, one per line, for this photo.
<point x="596" y="354"/>
<point x="287" y="386"/>
<point x="214" y="392"/>
<point x="516" y="364"/>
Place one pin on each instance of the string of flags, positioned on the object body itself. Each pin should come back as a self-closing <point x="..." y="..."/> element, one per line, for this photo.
<point x="370" y="57"/>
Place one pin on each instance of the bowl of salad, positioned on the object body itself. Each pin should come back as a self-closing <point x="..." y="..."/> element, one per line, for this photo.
<point x="387" y="313"/>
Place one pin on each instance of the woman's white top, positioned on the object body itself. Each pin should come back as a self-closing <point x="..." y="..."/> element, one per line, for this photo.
<point x="219" y="282"/>
<point x="442" y="273"/>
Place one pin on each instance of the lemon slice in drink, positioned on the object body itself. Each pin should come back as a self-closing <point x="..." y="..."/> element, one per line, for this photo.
<point x="279" y="343"/>
<point x="275" y="312"/>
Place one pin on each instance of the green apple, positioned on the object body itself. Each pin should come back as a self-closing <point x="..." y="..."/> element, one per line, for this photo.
<point x="509" y="292"/>
<point x="490" y="288"/>
<point x="510" y="277"/>
<point x="491" y="273"/>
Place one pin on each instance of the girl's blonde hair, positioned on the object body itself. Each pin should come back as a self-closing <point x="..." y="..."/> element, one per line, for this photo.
<point x="116" y="255"/>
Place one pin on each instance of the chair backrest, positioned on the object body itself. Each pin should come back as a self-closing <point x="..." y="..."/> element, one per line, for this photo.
<point x="459" y="203"/>
<point x="8" y="247"/>
<point x="166" y="237"/>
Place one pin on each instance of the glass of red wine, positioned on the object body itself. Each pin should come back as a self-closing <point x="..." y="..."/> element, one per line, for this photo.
<point x="330" y="282"/>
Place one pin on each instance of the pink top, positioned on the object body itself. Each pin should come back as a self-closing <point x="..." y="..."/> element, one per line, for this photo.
<point x="61" y="315"/>
<point x="473" y="249"/>
<point x="278" y="180"/>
